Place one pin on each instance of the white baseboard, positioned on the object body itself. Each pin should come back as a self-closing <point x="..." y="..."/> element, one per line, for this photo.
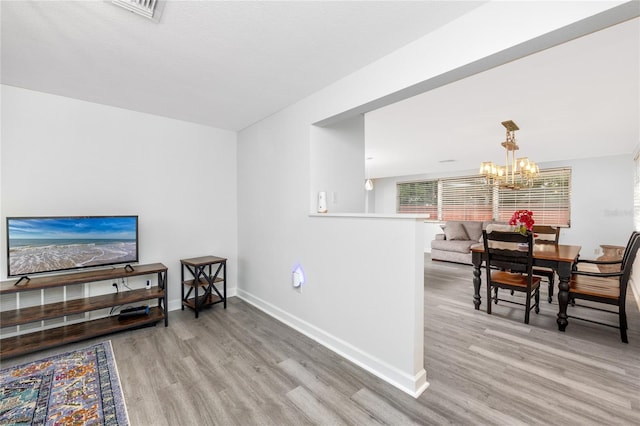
<point x="414" y="385"/>
<point x="635" y="289"/>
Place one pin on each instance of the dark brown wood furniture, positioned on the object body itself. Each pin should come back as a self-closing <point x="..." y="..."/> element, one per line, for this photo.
<point x="203" y="276"/>
<point x="609" y="288"/>
<point x="511" y="268"/>
<point x="560" y="258"/>
<point x="546" y="235"/>
<point x="73" y="332"/>
<point x="606" y="265"/>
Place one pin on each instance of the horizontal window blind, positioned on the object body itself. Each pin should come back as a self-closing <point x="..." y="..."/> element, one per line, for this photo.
<point x="469" y="198"/>
<point x="466" y="198"/>
<point x="418" y="197"/>
<point x="548" y="198"/>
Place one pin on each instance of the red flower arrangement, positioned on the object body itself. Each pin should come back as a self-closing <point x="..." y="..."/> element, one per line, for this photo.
<point x="523" y="220"/>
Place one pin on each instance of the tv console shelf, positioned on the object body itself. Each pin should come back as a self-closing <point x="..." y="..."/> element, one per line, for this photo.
<point x="44" y="339"/>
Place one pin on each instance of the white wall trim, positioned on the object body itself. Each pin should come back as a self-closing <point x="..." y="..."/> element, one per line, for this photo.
<point x="413" y="385"/>
<point x="422" y="217"/>
<point x="635" y="289"/>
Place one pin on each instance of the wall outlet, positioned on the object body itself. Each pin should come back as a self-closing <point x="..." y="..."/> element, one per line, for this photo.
<point x="148" y="284"/>
<point x="297" y="278"/>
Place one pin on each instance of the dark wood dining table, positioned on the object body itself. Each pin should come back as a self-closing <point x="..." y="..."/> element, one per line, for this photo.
<point x="557" y="257"/>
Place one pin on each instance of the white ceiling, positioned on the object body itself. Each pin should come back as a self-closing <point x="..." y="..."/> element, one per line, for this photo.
<point x="577" y="100"/>
<point x="225" y="64"/>
<point x="229" y="64"/>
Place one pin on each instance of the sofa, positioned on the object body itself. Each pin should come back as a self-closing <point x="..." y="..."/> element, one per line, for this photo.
<point x="454" y="244"/>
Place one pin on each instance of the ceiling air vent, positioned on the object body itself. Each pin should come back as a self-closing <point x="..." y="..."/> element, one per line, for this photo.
<point x="147" y="8"/>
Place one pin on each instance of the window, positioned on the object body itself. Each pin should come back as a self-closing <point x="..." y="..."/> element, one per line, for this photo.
<point x="418" y="197"/>
<point x="469" y="198"/>
<point x="466" y="198"/>
<point x="548" y="199"/>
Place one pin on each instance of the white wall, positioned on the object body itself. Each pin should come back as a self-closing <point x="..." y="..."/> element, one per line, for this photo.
<point x="338" y="165"/>
<point x="341" y="254"/>
<point x="363" y="295"/>
<point x="63" y="156"/>
<point x="601" y="201"/>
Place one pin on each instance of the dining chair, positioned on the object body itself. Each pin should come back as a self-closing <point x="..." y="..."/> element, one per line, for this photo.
<point x="618" y="262"/>
<point x="509" y="265"/>
<point x="545" y="234"/>
<point x="608" y="288"/>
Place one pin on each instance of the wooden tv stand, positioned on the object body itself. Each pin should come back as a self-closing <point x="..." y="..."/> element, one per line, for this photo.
<point x="69" y="333"/>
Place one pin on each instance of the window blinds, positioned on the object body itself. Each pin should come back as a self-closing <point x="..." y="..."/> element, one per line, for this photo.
<point x="469" y="198"/>
<point x="548" y="198"/>
<point x="418" y="197"/>
<point x="466" y="198"/>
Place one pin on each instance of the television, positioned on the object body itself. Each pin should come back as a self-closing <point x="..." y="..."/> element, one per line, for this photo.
<point x="51" y="244"/>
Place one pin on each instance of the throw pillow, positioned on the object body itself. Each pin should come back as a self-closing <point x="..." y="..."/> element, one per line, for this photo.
<point x="455" y="231"/>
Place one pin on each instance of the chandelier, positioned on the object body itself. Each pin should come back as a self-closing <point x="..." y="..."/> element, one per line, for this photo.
<point x="515" y="174"/>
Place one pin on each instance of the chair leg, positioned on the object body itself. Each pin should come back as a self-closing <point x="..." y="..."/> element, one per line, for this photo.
<point x="527" y="308"/>
<point x="551" y="280"/>
<point x="495" y="295"/>
<point x="537" y="299"/>
<point x="489" y="297"/>
<point x="623" y="325"/>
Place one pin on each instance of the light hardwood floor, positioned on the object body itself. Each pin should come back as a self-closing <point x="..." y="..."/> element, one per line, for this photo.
<point x="241" y="367"/>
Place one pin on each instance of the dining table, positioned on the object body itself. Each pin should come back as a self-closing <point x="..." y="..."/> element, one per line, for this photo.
<point x="559" y="257"/>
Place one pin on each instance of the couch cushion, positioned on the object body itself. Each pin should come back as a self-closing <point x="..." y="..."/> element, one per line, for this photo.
<point x="474" y="230"/>
<point x="487" y="222"/>
<point x="496" y="226"/>
<point x="455" y="231"/>
<point x="456" y="245"/>
<point x="500" y="227"/>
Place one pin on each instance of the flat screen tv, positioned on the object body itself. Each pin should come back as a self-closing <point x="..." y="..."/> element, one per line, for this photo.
<point x="50" y="244"/>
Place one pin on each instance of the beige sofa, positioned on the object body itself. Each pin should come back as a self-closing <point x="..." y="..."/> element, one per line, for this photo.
<point x="454" y="244"/>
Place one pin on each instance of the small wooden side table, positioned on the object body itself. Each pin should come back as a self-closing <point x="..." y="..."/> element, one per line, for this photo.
<point x="203" y="277"/>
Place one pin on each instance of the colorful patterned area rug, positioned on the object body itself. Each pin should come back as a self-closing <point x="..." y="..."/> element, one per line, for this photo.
<point x="80" y="387"/>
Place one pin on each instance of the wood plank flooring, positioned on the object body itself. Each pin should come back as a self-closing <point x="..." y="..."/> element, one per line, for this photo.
<point x="242" y="367"/>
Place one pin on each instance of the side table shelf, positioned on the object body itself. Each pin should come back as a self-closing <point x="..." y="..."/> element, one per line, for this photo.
<point x="73" y="332"/>
<point x="203" y="278"/>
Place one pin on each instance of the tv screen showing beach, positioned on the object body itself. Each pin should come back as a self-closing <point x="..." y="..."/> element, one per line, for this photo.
<point x="47" y="244"/>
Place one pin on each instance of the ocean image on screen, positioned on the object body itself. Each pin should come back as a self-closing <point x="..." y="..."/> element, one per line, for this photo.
<point x="54" y="244"/>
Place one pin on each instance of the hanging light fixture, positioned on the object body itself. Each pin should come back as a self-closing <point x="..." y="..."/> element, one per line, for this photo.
<point x="516" y="173"/>
<point x="368" y="183"/>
